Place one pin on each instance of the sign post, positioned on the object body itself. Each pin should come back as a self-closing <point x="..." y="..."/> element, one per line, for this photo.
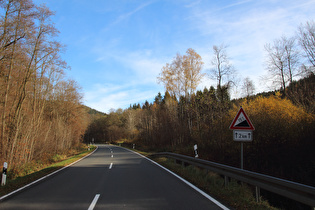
<point x="242" y="130"/>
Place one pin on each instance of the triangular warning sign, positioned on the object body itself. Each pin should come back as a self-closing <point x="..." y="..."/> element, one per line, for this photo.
<point x="241" y="121"/>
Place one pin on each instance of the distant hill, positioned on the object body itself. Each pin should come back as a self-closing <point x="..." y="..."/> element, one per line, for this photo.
<point x="93" y="112"/>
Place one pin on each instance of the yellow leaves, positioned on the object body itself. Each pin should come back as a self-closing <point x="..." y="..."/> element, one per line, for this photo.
<point x="183" y="75"/>
<point x="274" y="117"/>
<point x="278" y="94"/>
<point x="281" y="108"/>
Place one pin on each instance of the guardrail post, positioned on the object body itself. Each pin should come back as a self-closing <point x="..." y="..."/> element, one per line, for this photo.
<point x="4" y="174"/>
<point x="258" y="194"/>
<point x="196" y="153"/>
<point x="226" y="181"/>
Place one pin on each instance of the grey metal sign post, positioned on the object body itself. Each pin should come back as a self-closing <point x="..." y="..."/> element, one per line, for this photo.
<point x="242" y="131"/>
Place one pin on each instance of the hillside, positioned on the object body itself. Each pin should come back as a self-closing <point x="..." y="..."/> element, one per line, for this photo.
<point x="93" y="112"/>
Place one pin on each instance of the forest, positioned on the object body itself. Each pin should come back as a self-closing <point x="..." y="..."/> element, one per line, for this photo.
<point x="284" y="119"/>
<point x="41" y="113"/>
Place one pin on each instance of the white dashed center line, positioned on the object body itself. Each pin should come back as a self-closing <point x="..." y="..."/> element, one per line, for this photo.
<point x="92" y="205"/>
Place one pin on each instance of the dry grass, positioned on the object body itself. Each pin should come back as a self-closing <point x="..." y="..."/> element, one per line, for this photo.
<point x="234" y="195"/>
<point x="30" y="172"/>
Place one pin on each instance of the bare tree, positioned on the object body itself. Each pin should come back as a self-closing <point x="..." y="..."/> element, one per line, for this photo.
<point x="14" y="25"/>
<point x="248" y="87"/>
<point x="221" y="69"/>
<point x="282" y="61"/>
<point x="40" y="112"/>
<point x="306" y="36"/>
<point x="292" y="56"/>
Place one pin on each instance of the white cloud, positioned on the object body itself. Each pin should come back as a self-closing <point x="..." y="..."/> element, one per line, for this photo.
<point x="111" y="96"/>
<point x="193" y="4"/>
<point x="127" y="15"/>
<point x="128" y="76"/>
<point x="248" y="28"/>
<point x="233" y="5"/>
<point x="140" y="84"/>
<point x="144" y="64"/>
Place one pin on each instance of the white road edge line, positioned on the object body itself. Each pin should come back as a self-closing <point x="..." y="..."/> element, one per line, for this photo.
<point x="92" y="205"/>
<point x="185" y="181"/>
<point x="40" y="179"/>
<point x="111" y="165"/>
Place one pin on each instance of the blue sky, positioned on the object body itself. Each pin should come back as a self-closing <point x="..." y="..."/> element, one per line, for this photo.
<point x="116" y="48"/>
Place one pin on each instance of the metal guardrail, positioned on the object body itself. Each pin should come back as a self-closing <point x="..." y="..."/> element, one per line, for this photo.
<point x="299" y="192"/>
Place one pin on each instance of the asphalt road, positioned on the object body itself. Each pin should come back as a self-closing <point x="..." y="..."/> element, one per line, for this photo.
<point x="110" y="178"/>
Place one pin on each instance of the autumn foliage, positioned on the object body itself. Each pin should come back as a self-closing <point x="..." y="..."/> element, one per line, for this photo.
<point x="40" y="111"/>
<point x="283" y="138"/>
<point x="41" y="115"/>
<point x="284" y="119"/>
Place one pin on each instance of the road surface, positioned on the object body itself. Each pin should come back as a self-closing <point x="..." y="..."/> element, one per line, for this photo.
<point x="110" y="178"/>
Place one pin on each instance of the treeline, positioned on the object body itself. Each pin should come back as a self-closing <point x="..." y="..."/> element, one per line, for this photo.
<point x="283" y="140"/>
<point x="284" y="120"/>
<point x="40" y="111"/>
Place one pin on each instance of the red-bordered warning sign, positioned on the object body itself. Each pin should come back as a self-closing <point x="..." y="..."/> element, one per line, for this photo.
<point x="241" y="121"/>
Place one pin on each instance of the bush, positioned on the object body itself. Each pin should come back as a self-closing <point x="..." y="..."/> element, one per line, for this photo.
<point x="283" y="136"/>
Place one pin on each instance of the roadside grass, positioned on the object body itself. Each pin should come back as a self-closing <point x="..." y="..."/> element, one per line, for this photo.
<point x="235" y="195"/>
<point x="36" y="170"/>
<point x="146" y="154"/>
